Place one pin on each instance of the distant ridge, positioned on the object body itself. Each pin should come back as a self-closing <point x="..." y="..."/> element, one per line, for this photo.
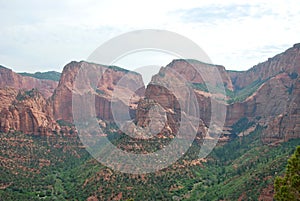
<point x="50" y="75"/>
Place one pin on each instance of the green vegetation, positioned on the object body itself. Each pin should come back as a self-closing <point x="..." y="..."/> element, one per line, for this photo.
<point x="241" y="94"/>
<point x="213" y="89"/>
<point x="61" y="122"/>
<point x="241" y="169"/>
<point x="58" y="168"/>
<point x="23" y="95"/>
<point x="238" y="95"/>
<point x="241" y="125"/>
<point x="3" y="67"/>
<point x="191" y="61"/>
<point x="293" y="75"/>
<point x="100" y="91"/>
<point x="31" y="167"/>
<point x="50" y="75"/>
<point x="287" y="188"/>
<point x="116" y="68"/>
<point x="200" y="86"/>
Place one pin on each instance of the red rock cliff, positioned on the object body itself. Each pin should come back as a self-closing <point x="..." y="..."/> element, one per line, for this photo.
<point x="276" y="101"/>
<point x="110" y="76"/>
<point x="8" y="78"/>
<point x="26" y="111"/>
<point x="287" y="61"/>
<point x="274" y="104"/>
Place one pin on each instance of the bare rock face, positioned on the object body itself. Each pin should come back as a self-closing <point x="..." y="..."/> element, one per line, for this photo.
<point x="197" y="72"/>
<point x="270" y="100"/>
<point x="8" y="78"/>
<point x="26" y="111"/>
<point x="97" y="79"/>
<point x="159" y="96"/>
<point x="288" y="61"/>
<point x="24" y="106"/>
<point x="286" y="125"/>
<point x="62" y="96"/>
<point x="276" y="102"/>
<point x="173" y="89"/>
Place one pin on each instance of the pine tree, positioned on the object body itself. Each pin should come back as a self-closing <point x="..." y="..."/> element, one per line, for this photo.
<point x="287" y="188"/>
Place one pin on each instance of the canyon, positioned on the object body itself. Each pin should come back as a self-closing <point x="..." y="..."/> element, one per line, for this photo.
<point x="266" y="94"/>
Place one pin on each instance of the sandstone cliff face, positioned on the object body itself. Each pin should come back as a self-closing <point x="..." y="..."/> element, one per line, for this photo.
<point x="288" y="61"/>
<point x="24" y="106"/>
<point x="97" y="79"/>
<point x="286" y="125"/>
<point x="275" y="102"/>
<point x="26" y="111"/>
<point x="8" y="78"/>
<point x="270" y="100"/>
<point x="62" y="96"/>
<point x="171" y="89"/>
<point x="169" y="119"/>
<point x="163" y="112"/>
<point x="198" y="72"/>
<point x="274" y="105"/>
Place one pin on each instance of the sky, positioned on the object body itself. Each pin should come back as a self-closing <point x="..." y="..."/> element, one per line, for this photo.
<point x="38" y="35"/>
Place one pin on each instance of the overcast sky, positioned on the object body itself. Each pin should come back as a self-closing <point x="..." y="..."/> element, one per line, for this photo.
<point x="41" y="35"/>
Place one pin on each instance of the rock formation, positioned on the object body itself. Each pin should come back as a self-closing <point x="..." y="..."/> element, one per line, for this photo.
<point x="26" y="111"/>
<point x="267" y="94"/>
<point x="287" y="61"/>
<point x="273" y="100"/>
<point x="276" y="102"/>
<point x="99" y="80"/>
<point x="8" y="78"/>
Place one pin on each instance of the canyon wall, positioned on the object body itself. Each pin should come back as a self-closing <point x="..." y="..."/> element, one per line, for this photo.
<point x="272" y="99"/>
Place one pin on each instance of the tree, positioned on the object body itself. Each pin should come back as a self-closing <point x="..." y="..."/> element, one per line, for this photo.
<point x="287" y="188"/>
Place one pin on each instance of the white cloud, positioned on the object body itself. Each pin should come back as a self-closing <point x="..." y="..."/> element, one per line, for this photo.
<point x="44" y="35"/>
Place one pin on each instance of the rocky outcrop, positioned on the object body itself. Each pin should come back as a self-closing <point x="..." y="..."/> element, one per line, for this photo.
<point x="274" y="102"/>
<point x="159" y="110"/>
<point x="194" y="71"/>
<point x="288" y="61"/>
<point x="173" y="89"/>
<point x="62" y="96"/>
<point x="99" y="80"/>
<point x="26" y="111"/>
<point x="286" y="124"/>
<point x="24" y="106"/>
<point x="8" y="78"/>
<point x="271" y="99"/>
